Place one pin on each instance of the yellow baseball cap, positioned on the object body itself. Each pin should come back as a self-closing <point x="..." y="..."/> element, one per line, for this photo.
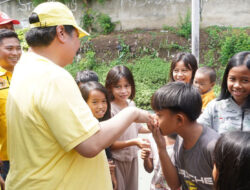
<point x="54" y="14"/>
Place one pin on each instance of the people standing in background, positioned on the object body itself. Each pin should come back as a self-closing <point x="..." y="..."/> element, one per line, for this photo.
<point x="6" y="22"/>
<point x="204" y="80"/>
<point x="10" y="52"/>
<point x="121" y="87"/>
<point x="231" y="110"/>
<point x="183" y="68"/>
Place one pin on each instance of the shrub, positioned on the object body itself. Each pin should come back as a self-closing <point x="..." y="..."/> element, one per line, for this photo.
<point x="21" y="35"/>
<point x="105" y="23"/>
<point x="185" y="26"/>
<point x="234" y="43"/>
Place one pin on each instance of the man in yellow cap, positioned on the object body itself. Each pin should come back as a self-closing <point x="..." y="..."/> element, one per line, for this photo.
<point x="10" y="52"/>
<point x="54" y="141"/>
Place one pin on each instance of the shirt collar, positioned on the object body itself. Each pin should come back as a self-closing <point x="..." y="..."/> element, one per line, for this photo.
<point x="2" y="71"/>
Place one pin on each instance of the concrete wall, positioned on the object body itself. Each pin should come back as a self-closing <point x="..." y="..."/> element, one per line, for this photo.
<point x="148" y="14"/>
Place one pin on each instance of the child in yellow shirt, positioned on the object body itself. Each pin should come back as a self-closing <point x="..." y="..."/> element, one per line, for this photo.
<point x="204" y="80"/>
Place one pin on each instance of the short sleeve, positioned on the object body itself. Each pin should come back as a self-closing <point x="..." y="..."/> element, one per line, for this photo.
<point x="66" y="114"/>
<point x="206" y="118"/>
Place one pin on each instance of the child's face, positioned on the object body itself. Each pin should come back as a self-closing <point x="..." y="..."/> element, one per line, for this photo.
<point x="97" y="103"/>
<point x="238" y="83"/>
<point x="202" y="82"/>
<point x="122" y="90"/>
<point x="182" y="73"/>
<point x="167" y="121"/>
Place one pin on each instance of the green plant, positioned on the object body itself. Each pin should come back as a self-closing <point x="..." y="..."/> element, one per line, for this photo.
<point x="21" y="35"/>
<point x="105" y="23"/>
<point x="185" y="25"/>
<point x="169" y="28"/>
<point x="234" y="43"/>
<point x="123" y="49"/>
<point x="87" y="20"/>
<point x="88" y="62"/>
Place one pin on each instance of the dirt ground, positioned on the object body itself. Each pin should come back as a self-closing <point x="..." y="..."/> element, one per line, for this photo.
<point x="163" y="43"/>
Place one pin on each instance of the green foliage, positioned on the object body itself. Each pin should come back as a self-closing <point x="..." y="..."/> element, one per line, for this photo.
<point x="87" y="20"/>
<point x="236" y="42"/>
<point x="171" y="46"/>
<point x="21" y="36"/>
<point x="169" y="28"/>
<point x="123" y="49"/>
<point x="97" y="22"/>
<point x="149" y="75"/>
<point x="224" y="42"/>
<point x="185" y="26"/>
<point x="88" y="62"/>
<point x="105" y="23"/>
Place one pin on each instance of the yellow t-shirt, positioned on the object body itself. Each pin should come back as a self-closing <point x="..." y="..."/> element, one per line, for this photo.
<point x="5" y="78"/>
<point x="47" y="117"/>
<point x="206" y="98"/>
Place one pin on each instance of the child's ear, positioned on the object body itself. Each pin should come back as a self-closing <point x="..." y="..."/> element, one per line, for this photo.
<point x="180" y="119"/>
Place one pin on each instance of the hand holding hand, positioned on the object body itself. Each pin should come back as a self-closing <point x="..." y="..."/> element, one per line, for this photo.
<point x="159" y="139"/>
<point x="142" y="143"/>
<point x="145" y="152"/>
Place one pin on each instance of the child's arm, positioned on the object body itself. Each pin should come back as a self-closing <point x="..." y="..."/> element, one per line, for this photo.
<point x="110" y="131"/>
<point x="140" y="142"/>
<point x="168" y="169"/>
<point x="148" y="162"/>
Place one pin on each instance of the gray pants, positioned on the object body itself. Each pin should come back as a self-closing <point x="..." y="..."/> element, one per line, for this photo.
<point x="127" y="174"/>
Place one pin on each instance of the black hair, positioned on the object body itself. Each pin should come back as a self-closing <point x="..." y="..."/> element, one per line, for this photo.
<point x="87" y="87"/>
<point x="6" y="33"/>
<point x="208" y="71"/>
<point x="189" y="61"/>
<point x="178" y="97"/>
<point x="241" y="58"/>
<point x="86" y="76"/>
<point x="43" y="36"/>
<point x="232" y="161"/>
<point x="113" y="77"/>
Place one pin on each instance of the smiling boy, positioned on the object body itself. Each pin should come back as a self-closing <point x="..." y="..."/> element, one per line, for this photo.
<point x="177" y="106"/>
<point x="204" y="80"/>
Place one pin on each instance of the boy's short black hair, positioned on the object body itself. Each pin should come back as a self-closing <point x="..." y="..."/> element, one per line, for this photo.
<point x="208" y="71"/>
<point x="6" y="33"/>
<point x="178" y="97"/>
<point x="86" y="76"/>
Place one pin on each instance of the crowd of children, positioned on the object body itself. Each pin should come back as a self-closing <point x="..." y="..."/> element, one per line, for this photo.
<point x="197" y="141"/>
<point x="187" y="125"/>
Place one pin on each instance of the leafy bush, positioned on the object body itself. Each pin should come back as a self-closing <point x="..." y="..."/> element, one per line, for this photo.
<point x="185" y="26"/>
<point x="21" y="35"/>
<point x="87" y="20"/>
<point x="236" y="42"/>
<point x="105" y="23"/>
